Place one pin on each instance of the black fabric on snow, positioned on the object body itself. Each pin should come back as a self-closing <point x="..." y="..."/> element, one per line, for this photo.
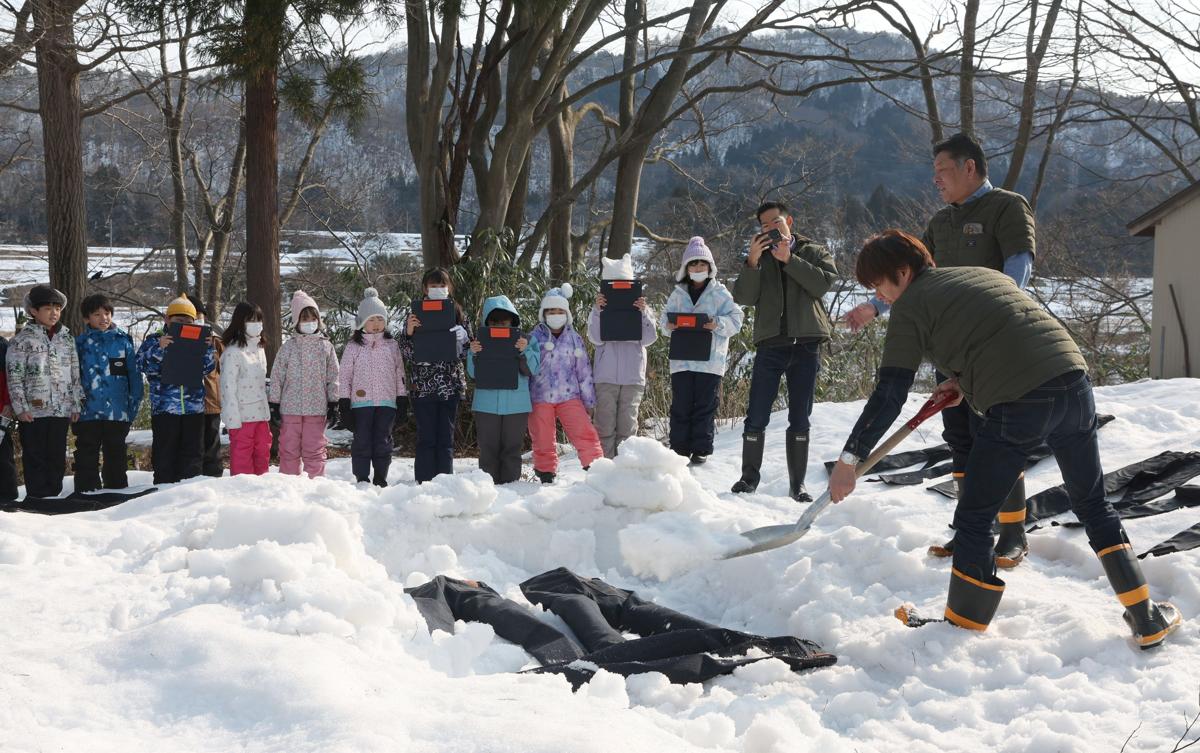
<point x="76" y="502"/>
<point x="1185" y="496"/>
<point x="1137" y="483"/>
<point x="1185" y="540"/>
<point x="443" y="600"/>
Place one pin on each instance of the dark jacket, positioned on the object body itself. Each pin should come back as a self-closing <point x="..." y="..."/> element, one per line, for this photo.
<point x="787" y="297"/>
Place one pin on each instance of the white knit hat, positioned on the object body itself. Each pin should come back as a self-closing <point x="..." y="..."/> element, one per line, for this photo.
<point x="371" y="306"/>
<point x="556" y="298"/>
<point x="696" y="249"/>
<point x="617" y="269"/>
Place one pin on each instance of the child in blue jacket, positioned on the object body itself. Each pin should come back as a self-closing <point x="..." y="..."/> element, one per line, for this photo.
<point x="501" y="416"/>
<point x="112" y="394"/>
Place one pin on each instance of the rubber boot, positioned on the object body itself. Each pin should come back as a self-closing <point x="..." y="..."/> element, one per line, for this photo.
<point x="947" y="549"/>
<point x="1011" y="546"/>
<point x="970" y="603"/>
<point x="797" y="463"/>
<point x="752" y="455"/>
<point x="1150" y="622"/>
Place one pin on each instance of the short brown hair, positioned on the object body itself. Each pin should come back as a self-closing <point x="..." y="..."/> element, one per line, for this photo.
<point x="885" y="254"/>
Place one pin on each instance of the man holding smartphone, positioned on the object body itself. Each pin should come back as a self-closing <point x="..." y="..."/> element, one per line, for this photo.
<point x="784" y="278"/>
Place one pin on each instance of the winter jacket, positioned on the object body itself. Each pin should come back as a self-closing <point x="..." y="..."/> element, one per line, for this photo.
<point x="174" y="399"/>
<point x="441" y="379"/>
<point x="787" y="297"/>
<point x="43" y="373"/>
<point x="621" y="361"/>
<point x="212" y="381"/>
<point x="112" y="384"/>
<point x="565" y="372"/>
<point x="717" y="302"/>
<point x="372" y="374"/>
<point x="304" y="379"/>
<point x="506" y="402"/>
<point x="244" y="384"/>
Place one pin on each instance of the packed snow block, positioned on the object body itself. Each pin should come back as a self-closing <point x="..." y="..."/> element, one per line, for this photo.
<point x="452" y="495"/>
<point x="1136" y="483"/>
<point x="646" y="476"/>
<point x="442" y="601"/>
<point x="74" y="502"/>
<point x="667" y="543"/>
<point x="681" y="647"/>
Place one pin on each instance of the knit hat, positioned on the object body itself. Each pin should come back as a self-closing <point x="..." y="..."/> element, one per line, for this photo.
<point x="370" y="306"/>
<point x="617" y="269"/>
<point x="696" y="249"/>
<point x="556" y="298"/>
<point x="181" y="305"/>
<point x="301" y="301"/>
<point x="43" y="295"/>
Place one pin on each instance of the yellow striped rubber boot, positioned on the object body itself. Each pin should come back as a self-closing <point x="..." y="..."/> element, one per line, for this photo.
<point x="1150" y="622"/>
<point x="1011" y="545"/>
<point x="971" y="603"/>
<point x="947" y="549"/>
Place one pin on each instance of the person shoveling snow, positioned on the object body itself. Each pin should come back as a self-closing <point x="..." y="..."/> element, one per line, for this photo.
<point x="1022" y="373"/>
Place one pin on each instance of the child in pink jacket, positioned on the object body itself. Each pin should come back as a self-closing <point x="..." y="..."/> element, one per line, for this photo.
<point x="370" y="387"/>
<point x="304" y="390"/>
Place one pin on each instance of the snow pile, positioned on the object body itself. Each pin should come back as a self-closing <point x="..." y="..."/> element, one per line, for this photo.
<point x="269" y="614"/>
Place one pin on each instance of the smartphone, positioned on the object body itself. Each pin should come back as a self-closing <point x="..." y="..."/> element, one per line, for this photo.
<point x="773" y="235"/>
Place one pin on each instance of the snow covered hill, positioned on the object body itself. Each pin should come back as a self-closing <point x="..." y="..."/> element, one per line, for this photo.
<point x="268" y="614"/>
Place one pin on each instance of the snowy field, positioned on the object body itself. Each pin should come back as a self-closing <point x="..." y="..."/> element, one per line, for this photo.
<point x="267" y="614"/>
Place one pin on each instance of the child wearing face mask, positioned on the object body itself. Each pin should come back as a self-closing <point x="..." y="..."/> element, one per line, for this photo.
<point x="695" y="385"/>
<point x="437" y="387"/>
<point x="304" y="390"/>
<point x="563" y="389"/>
<point x="244" y="408"/>
<point x="370" y="387"/>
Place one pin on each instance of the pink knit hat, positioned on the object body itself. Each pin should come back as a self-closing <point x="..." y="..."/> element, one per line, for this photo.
<point x="301" y="301"/>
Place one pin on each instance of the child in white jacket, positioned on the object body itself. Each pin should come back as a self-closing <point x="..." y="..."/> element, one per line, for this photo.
<point x="244" y="408"/>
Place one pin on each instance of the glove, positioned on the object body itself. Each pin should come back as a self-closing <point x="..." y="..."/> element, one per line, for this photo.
<point x="331" y="416"/>
<point x="460" y="333"/>
<point x="401" y="409"/>
<point x="347" y="413"/>
<point x="276" y="416"/>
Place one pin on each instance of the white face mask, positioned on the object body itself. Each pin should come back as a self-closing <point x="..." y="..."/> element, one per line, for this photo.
<point x="308" y="328"/>
<point x="698" y="276"/>
<point x="254" y="329"/>
<point x="556" y="321"/>
<point x="438" y="294"/>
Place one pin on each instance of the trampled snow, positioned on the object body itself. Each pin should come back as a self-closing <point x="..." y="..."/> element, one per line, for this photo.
<point x="268" y="614"/>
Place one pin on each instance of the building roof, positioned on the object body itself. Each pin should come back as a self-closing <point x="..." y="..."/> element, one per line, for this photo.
<point x="1144" y="225"/>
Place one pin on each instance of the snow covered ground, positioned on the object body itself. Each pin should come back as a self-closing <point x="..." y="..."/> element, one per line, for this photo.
<point x="267" y="614"/>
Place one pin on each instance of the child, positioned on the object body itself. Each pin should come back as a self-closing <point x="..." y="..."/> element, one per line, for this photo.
<point x="112" y="395"/>
<point x="619" y="367"/>
<point x="244" y="408"/>
<point x="8" y="462"/>
<point x="304" y="390"/>
<point x="436" y="387"/>
<point x="501" y="416"/>
<point x="562" y="389"/>
<point x="211" y="463"/>
<point x="43" y="383"/>
<point x="695" y="385"/>
<point x="176" y="411"/>
<point x="371" y="387"/>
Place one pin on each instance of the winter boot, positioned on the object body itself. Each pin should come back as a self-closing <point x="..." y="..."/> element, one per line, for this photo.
<point x="797" y="463"/>
<point x="1011" y="546"/>
<point x="381" y="472"/>
<point x="697" y="459"/>
<point x="546" y="477"/>
<point x="947" y="549"/>
<point x="752" y="455"/>
<point x="970" y="603"/>
<point x="1150" y="622"/>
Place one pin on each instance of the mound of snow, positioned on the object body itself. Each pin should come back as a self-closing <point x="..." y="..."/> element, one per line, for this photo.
<point x="447" y="495"/>
<point x="645" y="475"/>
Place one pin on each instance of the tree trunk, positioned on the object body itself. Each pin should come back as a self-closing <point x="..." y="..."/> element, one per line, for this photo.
<point x="625" y="202"/>
<point x="561" y="133"/>
<point x="179" y="197"/>
<point x="514" y="219"/>
<point x="262" y="202"/>
<point x="223" y="226"/>
<point x="966" y="74"/>
<point x="62" y="140"/>
<point x="1034" y="55"/>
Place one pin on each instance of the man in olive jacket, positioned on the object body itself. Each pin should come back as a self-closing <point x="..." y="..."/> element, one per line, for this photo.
<point x="784" y="280"/>
<point x="1021" y="372"/>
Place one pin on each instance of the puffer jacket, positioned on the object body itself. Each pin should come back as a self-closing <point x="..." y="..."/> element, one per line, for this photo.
<point x="170" y="398"/>
<point x="372" y="374"/>
<point x="43" y="373"/>
<point x="566" y="372"/>
<point x="112" y="383"/>
<point x="304" y="379"/>
<point x="244" y="384"/>
<point x="505" y="402"/>
<point x="717" y="302"/>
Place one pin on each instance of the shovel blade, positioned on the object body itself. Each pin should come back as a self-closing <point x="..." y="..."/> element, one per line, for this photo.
<point x="772" y="537"/>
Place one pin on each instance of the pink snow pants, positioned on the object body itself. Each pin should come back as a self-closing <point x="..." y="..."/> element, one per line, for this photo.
<point x="250" y="448"/>
<point x="302" y="437"/>
<point x="575" y="423"/>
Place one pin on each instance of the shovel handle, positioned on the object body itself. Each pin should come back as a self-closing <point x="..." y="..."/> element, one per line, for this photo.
<point x="931" y="408"/>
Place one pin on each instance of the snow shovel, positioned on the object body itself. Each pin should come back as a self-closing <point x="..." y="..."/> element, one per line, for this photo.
<point x="773" y="537"/>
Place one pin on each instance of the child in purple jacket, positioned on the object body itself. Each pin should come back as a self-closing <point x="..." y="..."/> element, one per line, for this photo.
<point x="619" y="367"/>
<point x="562" y="389"/>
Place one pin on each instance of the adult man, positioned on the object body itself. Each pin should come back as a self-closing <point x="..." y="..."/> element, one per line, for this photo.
<point x="784" y="280"/>
<point x="1020" y="369"/>
<point x="981" y="226"/>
